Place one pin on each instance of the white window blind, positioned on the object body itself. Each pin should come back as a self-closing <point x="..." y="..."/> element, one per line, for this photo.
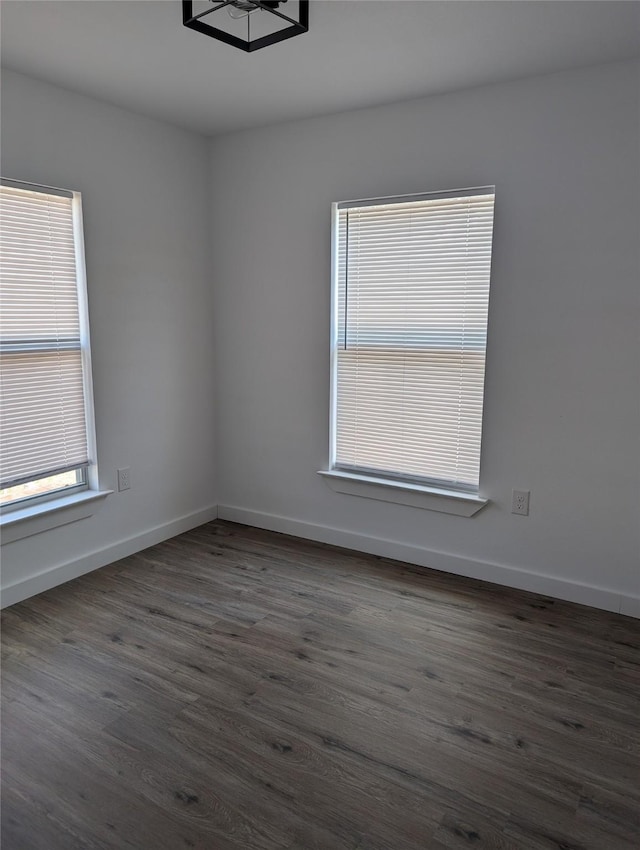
<point x="411" y="297"/>
<point x="43" y="422"/>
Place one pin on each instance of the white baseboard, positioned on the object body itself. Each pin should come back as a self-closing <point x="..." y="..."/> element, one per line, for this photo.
<point x="630" y="605"/>
<point x="101" y="557"/>
<point x="584" y="594"/>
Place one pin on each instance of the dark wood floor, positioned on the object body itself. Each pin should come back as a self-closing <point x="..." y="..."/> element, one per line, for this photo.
<point x="234" y="688"/>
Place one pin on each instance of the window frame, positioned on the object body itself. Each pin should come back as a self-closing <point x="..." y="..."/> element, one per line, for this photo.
<point x="430" y="493"/>
<point x="88" y="476"/>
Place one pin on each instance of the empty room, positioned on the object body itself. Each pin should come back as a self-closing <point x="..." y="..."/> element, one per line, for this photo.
<point x="320" y="424"/>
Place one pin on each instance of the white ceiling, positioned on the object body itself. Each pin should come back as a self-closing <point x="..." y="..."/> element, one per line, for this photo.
<point x="137" y="54"/>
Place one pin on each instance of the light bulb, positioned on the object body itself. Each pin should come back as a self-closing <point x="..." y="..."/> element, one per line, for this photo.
<point x="240" y="9"/>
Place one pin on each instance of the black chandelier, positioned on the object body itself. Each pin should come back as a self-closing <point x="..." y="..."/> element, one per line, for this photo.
<point x="247" y="24"/>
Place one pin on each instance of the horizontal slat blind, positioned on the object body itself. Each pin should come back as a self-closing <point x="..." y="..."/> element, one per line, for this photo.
<point x="43" y="427"/>
<point x="412" y="300"/>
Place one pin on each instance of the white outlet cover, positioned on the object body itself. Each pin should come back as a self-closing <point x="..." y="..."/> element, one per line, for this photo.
<point x="124" y="479"/>
<point x="520" y="502"/>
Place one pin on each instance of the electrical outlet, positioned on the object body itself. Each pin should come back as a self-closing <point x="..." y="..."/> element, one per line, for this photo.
<point x="124" y="479"/>
<point x="520" y="502"/>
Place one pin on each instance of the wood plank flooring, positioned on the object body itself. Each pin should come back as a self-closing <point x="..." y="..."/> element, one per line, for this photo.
<point x="235" y="689"/>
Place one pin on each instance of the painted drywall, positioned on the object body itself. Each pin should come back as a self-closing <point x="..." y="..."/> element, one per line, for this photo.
<point x="146" y="207"/>
<point x="562" y="413"/>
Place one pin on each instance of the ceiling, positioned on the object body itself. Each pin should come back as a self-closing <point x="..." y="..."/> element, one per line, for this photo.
<point x="357" y="53"/>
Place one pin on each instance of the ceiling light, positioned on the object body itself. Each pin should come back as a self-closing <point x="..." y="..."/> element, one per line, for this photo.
<point x="247" y="24"/>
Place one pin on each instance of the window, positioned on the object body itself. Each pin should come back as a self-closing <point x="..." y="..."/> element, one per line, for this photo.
<point x="46" y="426"/>
<point x="410" y="300"/>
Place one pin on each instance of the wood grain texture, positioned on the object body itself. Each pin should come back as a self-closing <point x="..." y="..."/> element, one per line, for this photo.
<point x="235" y="688"/>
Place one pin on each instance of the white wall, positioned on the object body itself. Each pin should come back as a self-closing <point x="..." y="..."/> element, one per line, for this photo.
<point x="146" y="207"/>
<point x="562" y="411"/>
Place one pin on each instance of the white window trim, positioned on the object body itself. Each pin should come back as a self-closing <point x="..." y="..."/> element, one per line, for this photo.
<point x="425" y="496"/>
<point x="85" y="341"/>
<point x="403" y="493"/>
<point x="24" y="519"/>
<point x="34" y="519"/>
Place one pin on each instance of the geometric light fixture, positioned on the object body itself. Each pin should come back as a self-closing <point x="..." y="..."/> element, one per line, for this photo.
<point x="247" y="24"/>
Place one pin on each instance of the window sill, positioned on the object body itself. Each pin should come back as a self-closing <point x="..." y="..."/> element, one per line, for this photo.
<point x="34" y="519"/>
<point x="415" y="495"/>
